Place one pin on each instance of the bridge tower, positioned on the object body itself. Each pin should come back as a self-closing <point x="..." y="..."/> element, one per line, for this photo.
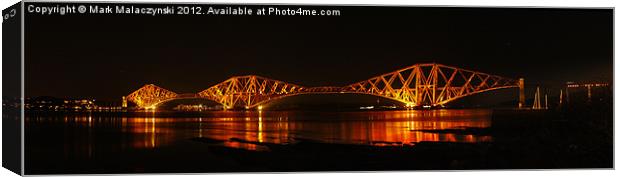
<point x="521" y="92"/>
<point x="124" y="104"/>
<point x="561" y="97"/>
<point x="537" y="104"/>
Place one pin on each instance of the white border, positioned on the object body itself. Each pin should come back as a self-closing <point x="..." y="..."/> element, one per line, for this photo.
<point x="477" y="3"/>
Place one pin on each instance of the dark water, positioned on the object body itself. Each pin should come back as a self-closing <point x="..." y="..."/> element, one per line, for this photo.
<point x="84" y="139"/>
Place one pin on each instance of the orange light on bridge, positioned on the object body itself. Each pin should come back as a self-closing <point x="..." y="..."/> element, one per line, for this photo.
<point x="420" y="84"/>
<point x="409" y="105"/>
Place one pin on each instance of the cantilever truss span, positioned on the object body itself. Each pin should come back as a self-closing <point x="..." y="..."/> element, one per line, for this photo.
<point x="247" y="91"/>
<point x="150" y="95"/>
<point x="418" y="85"/>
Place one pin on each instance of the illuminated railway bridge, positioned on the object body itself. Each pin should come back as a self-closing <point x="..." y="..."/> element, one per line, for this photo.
<point x="418" y="85"/>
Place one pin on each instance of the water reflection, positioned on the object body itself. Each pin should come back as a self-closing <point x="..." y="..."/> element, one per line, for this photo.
<point x="380" y="128"/>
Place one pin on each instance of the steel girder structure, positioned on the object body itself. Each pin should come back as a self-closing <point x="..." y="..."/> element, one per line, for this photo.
<point x="149" y="96"/>
<point x="429" y="84"/>
<point x="248" y="91"/>
<point x="418" y="85"/>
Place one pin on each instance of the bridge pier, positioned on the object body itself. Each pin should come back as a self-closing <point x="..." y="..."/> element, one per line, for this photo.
<point x="521" y="93"/>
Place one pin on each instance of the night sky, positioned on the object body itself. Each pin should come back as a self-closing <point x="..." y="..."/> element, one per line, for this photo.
<point x="107" y="56"/>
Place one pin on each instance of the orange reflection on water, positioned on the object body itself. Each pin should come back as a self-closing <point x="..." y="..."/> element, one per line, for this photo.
<point x="252" y="129"/>
<point x="153" y="132"/>
<point x="373" y="128"/>
<point x="148" y="128"/>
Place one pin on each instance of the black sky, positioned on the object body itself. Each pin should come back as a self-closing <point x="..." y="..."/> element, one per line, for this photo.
<point x="106" y="56"/>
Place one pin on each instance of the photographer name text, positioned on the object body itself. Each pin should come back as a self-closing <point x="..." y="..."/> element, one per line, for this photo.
<point x="178" y="10"/>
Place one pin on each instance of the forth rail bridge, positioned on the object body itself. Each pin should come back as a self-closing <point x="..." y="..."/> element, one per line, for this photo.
<point x="418" y="85"/>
